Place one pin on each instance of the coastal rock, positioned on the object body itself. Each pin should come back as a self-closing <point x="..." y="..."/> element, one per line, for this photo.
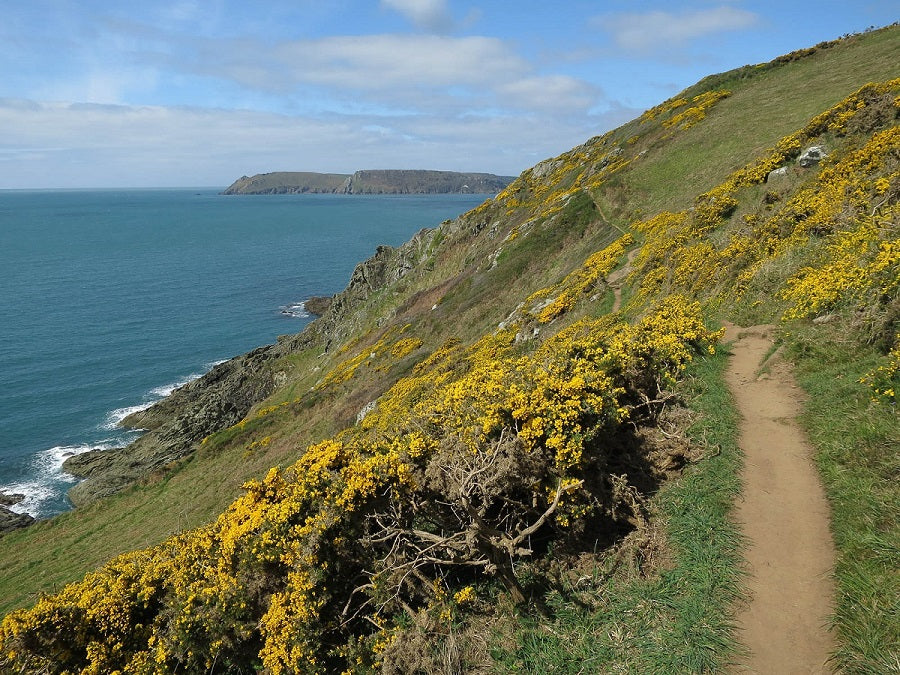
<point x="176" y="424"/>
<point x="10" y="499"/>
<point x="86" y="464"/>
<point x="10" y="520"/>
<point x="317" y="305"/>
<point x="780" y="172"/>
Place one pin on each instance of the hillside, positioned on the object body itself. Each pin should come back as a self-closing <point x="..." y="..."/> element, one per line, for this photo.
<point x="507" y="446"/>
<point x="373" y="181"/>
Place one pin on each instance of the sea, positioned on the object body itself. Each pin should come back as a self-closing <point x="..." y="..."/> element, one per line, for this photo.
<point x="110" y="299"/>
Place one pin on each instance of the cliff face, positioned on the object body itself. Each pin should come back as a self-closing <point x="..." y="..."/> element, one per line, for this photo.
<point x="370" y="182"/>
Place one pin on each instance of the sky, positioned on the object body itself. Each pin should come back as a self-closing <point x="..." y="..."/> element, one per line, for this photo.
<point x="196" y="93"/>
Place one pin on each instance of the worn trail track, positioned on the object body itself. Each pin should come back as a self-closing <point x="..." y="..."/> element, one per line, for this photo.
<point x="617" y="278"/>
<point x="784" y="517"/>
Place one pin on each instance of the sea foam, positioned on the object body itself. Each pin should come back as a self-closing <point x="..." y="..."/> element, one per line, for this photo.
<point x="296" y="310"/>
<point x="114" y="417"/>
<point x="47" y="482"/>
<point x="47" y="479"/>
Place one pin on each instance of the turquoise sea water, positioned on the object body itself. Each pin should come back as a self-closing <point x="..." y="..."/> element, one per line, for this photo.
<point x="110" y="299"/>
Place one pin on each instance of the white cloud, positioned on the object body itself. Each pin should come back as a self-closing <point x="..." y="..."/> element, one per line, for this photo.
<point x="402" y="73"/>
<point x="398" y="74"/>
<point x="550" y="92"/>
<point x="659" y="30"/>
<point x="431" y="15"/>
<point x="374" y="62"/>
<point x="82" y="145"/>
<point x="334" y="103"/>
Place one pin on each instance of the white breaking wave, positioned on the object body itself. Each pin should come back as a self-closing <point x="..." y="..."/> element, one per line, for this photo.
<point x="166" y="389"/>
<point x="114" y="417"/>
<point x="48" y="479"/>
<point x="297" y="310"/>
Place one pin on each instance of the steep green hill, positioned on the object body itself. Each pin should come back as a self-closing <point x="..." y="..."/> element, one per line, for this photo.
<point x="506" y="446"/>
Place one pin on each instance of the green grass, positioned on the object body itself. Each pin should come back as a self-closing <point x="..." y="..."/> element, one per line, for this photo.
<point x="676" y="621"/>
<point x="858" y="444"/>
<point x="761" y="110"/>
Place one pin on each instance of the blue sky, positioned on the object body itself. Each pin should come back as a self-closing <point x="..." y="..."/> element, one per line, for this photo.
<point x="100" y="93"/>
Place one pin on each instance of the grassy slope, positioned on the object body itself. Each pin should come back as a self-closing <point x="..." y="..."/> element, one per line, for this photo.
<point x="761" y="110"/>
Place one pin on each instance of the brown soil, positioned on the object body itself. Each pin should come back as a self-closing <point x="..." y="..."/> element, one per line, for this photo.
<point x="784" y="517"/>
<point x="617" y="278"/>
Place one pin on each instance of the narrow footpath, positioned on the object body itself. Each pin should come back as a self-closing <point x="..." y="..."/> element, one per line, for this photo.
<point x="784" y="517"/>
<point x="617" y="278"/>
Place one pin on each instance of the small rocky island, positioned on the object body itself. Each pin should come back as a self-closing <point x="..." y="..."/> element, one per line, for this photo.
<point x="369" y="182"/>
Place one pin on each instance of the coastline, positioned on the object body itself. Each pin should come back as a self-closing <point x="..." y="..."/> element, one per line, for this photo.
<point x="107" y="467"/>
<point x="55" y="470"/>
<point x="175" y="425"/>
<point x="101" y="375"/>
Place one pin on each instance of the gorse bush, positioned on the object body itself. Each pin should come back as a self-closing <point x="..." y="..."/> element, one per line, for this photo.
<point x="884" y="380"/>
<point x="462" y="469"/>
<point x="849" y="205"/>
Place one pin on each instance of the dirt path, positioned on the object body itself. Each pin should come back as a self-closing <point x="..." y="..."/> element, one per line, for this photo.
<point x="617" y="278"/>
<point x="784" y="516"/>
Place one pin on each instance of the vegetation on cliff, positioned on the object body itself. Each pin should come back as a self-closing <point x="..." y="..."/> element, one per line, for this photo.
<point x="373" y="181"/>
<point x="479" y="463"/>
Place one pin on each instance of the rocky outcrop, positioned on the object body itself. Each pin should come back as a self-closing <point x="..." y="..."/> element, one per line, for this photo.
<point x="371" y="276"/>
<point x="13" y="521"/>
<point x="10" y="499"/>
<point x="812" y="156"/>
<point x="176" y="424"/>
<point x="317" y="305"/>
<point x="10" y="520"/>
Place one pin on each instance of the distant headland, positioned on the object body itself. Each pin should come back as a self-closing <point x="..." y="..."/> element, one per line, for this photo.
<point x="369" y="182"/>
